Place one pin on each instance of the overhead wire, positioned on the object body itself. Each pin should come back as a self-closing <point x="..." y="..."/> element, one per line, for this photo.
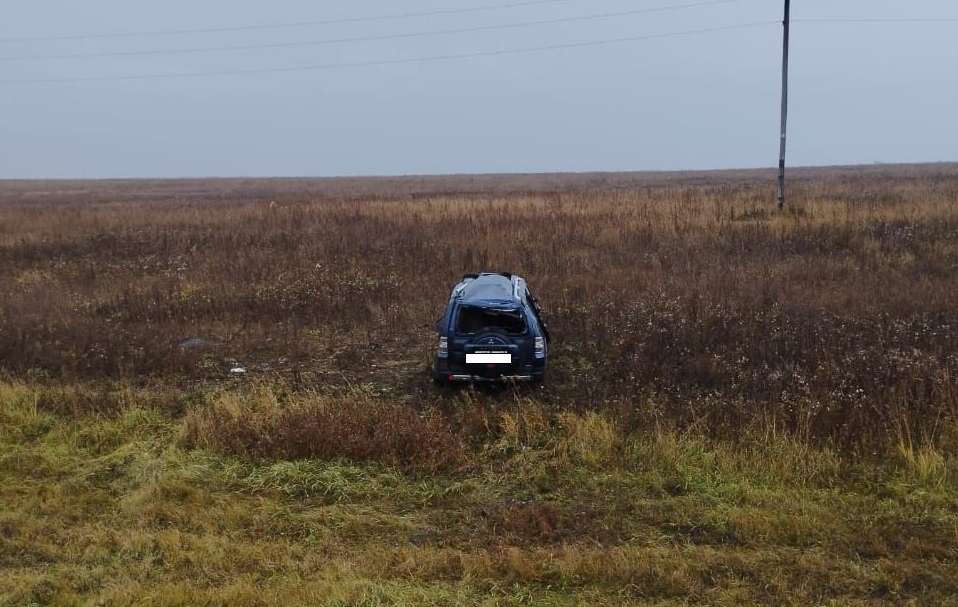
<point x="290" y="25"/>
<point x="428" y="58"/>
<point x="359" y="64"/>
<point x="875" y="20"/>
<point x="329" y="41"/>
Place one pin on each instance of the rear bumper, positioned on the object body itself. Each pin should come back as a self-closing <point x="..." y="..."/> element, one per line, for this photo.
<point x="449" y="377"/>
<point x="444" y="372"/>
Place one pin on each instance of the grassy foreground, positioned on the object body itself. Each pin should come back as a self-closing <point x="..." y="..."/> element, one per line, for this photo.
<point x="136" y="497"/>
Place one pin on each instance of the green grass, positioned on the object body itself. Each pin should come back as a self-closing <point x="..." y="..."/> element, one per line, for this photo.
<point x="550" y="508"/>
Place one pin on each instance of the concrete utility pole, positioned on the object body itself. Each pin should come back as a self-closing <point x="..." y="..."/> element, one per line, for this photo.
<point x="781" y="154"/>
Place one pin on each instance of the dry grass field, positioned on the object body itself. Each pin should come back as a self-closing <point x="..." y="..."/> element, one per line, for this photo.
<point x="744" y="405"/>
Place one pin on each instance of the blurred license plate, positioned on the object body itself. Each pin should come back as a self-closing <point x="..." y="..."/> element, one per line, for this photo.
<point x="489" y="358"/>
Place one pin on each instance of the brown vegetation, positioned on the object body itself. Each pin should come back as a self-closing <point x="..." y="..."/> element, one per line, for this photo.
<point x="691" y="302"/>
<point x="259" y="425"/>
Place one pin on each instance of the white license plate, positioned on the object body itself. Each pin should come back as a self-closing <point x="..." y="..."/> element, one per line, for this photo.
<point x="489" y="358"/>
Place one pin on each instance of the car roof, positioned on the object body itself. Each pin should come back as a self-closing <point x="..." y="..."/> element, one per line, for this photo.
<point x="490" y="290"/>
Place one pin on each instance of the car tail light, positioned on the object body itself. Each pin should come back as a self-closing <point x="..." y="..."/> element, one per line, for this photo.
<point x="540" y="347"/>
<point x="443" y="347"/>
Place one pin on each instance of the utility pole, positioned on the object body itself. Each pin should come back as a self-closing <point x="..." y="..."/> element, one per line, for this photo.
<point x="781" y="154"/>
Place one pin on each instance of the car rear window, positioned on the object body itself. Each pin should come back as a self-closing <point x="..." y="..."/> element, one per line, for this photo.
<point x="479" y="320"/>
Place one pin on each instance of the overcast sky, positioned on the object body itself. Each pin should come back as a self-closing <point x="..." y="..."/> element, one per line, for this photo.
<point x="859" y="92"/>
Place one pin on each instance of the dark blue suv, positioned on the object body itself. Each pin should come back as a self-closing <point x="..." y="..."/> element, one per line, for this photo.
<point x="492" y="331"/>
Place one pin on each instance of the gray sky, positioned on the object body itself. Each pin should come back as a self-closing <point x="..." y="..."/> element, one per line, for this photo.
<point x="860" y="92"/>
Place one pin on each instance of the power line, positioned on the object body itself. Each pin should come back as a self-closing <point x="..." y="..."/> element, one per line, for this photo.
<point x="876" y="20"/>
<point x="330" y="66"/>
<point x="295" y="24"/>
<point x="327" y="41"/>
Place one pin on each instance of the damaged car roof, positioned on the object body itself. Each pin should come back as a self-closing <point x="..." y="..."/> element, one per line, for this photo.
<point x="490" y="290"/>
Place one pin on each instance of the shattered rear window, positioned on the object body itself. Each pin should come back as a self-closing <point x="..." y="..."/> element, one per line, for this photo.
<point x="479" y="320"/>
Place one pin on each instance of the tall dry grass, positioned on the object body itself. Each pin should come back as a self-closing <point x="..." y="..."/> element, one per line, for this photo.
<point x="260" y="426"/>
<point x="836" y="320"/>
